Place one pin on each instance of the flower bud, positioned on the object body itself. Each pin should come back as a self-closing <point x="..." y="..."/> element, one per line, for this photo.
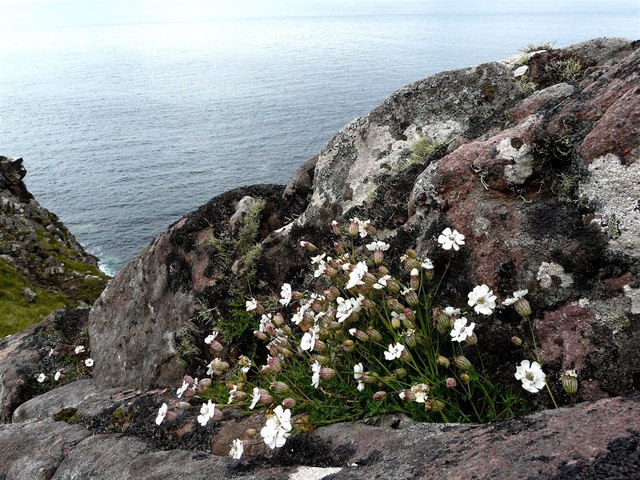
<point x="374" y="334"/>
<point x="204" y="383"/>
<point x="434" y="404"/>
<point x="278" y="319"/>
<point x="260" y="335"/>
<point x="382" y="270"/>
<point x="444" y="323"/>
<point x="395" y="323"/>
<point x="379" y="396"/>
<point x="170" y="416"/>
<point x="367" y="304"/>
<point x="250" y="432"/>
<point x="188" y="379"/>
<point x="359" y="334"/>
<point x="369" y="377"/>
<point x="451" y="382"/>
<point x="348" y="346"/>
<point x="472" y="339"/>
<point x="327" y="373"/>
<point x="406" y="323"/>
<point x="414" y="278"/>
<point x="411" y="297"/>
<point x="410" y="315"/>
<point x="405" y="355"/>
<point x="399" y="373"/>
<point x="216" y="349"/>
<point x="394" y="286"/>
<point x="378" y="257"/>
<point x="354" y="228"/>
<point x="463" y="363"/>
<point x="410" y="339"/>
<point x="407" y="395"/>
<point x="465" y="378"/>
<point x="370" y="229"/>
<point x="443" y="361"/>
<point x="319" y="346"/>
<point x="428" y="274"/>
<point x="183" y="406"/>
<point x="217" y="415"/>
<point x="322" y="360"/>
<point x="189" y="392"/>
<point x="308" y="246"/>
<point x="279" y="387"/>
<point x="569" y="381"/>
<point x="265" y="397"/>
<point x="411" y="253"/>
<point x="517" y="341"/>
<point x="238" y="396"/>
<point x="335" y="227"/>
<point x="523" y="307"/>
<point x="412" y="263"/>
<point x="332" y="293"/>
<point x="288" y="402"/>
<point x="274" y="364"/>
<point x="218" y="366"/>
<point x="369" y="279"/>
<point x="285" y="352"/>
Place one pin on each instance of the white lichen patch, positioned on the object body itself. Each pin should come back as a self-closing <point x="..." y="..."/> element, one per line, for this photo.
<point x="313" y="473"/>
<point x="522" y="168"/>
<point x="548" y="271"/>
<point x="614" y="189"/>
<point x="634" y="295"/>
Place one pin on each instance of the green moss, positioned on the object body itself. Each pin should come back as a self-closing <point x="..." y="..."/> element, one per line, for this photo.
<point x="564" y="70"/>
<point x="613" y="229"/>
<point x="424" y="147"/>
<point x="16" y="313"/>
<point x="552" y="164"/>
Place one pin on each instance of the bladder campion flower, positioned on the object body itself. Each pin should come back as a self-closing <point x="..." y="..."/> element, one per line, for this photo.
<point x="482" y="299"/>
<point x="516" y="295"/>
<point x="41" y="378"/>
<point x="309" y="338"/>
<point x="210" y="338"/>
<point x="79" y="349"/>
<point x="394" y="351"/>
<point x="206" y="413"/>
<point x="237" y="449"/>
<point x="251" y="304"/>
<point x="315" y="378"/>
<point x="451" y="239"/>
<point x="569" y="381"/>
<point x="355" y="276"/>
<point x="531" y="376"/>
<point x="277" y="428"/>
<point x="461" y="331"/>
<point x="255" y="399"/>
<point x="285" y="294"/>
<point x="89" y="362"/>
<point x="358" y="370"/>
<point x="162" y="412"/>
<point x="182" y="389"/>
<point x="57" y="376"/>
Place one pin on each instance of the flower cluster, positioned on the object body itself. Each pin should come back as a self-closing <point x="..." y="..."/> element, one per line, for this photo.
<point x="371" y="333"/>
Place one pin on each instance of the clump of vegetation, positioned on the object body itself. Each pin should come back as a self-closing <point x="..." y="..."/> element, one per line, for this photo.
<point x="423" y="147"/>
<point x="536" y="47"/>
<point x="364" y="343"/>
<point x="562" y="70"/>
<point x="552" y="164"/>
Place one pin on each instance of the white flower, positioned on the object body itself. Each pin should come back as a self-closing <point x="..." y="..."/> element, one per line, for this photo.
<point x="264" y="320"/>
<point x="378" y="245"/>
<point x="277" y="428"/>
<point x="427" y="264"/>
<point x="347" y="307"/>
<point x="309" y="338"/>
<point x="355" y="276"/>
<point x="206" y="413"/>
<point x="237" y="449"/>
<point x="233" y="390"/>
<point x="89" y="362"/>
<point x="285" y="294"/>
<point x="531" y="376"/>
<point x="482" y="299"/>
<point x="79" y="349"/>
<point x="461" y="331"/>
<point x="382" y="282"/>
<point x="255" y="398"/>
<point x="518" y="294"/>
<point x="56" y="377"/>
<point x="315" y="378"/>
<point x="162" y="412"/>
<point x="358" y="370"/>
<point x="251" y="304"/>
<point x="451" y="239"/>
<point x="451" y="311"/>
<point x="394" y="351"/>
<point x="182" y="389"/>
<point x="362" y="226"/>
<point x="51" y="351"/>
<point x="41" y="378"/>
<point x="210" y="338"/>
<point x="322" y="266"/>
<point x="420" y="390"/>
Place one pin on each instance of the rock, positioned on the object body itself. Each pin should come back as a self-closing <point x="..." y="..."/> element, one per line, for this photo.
<point x="29" y="294"/>
<point x="520" y="71"/>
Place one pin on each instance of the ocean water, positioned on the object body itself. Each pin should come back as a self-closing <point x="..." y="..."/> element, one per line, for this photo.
<point x="125" y="127"/>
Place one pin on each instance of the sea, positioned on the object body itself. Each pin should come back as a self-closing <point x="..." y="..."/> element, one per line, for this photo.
<point x="127" y="123"/>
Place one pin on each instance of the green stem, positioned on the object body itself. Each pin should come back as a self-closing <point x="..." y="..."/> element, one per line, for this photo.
<point x="551" y="395"/>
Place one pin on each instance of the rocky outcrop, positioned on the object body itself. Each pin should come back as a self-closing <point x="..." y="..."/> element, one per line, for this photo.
<point x="538" y="170"/>
<point x="44" y="265"/>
